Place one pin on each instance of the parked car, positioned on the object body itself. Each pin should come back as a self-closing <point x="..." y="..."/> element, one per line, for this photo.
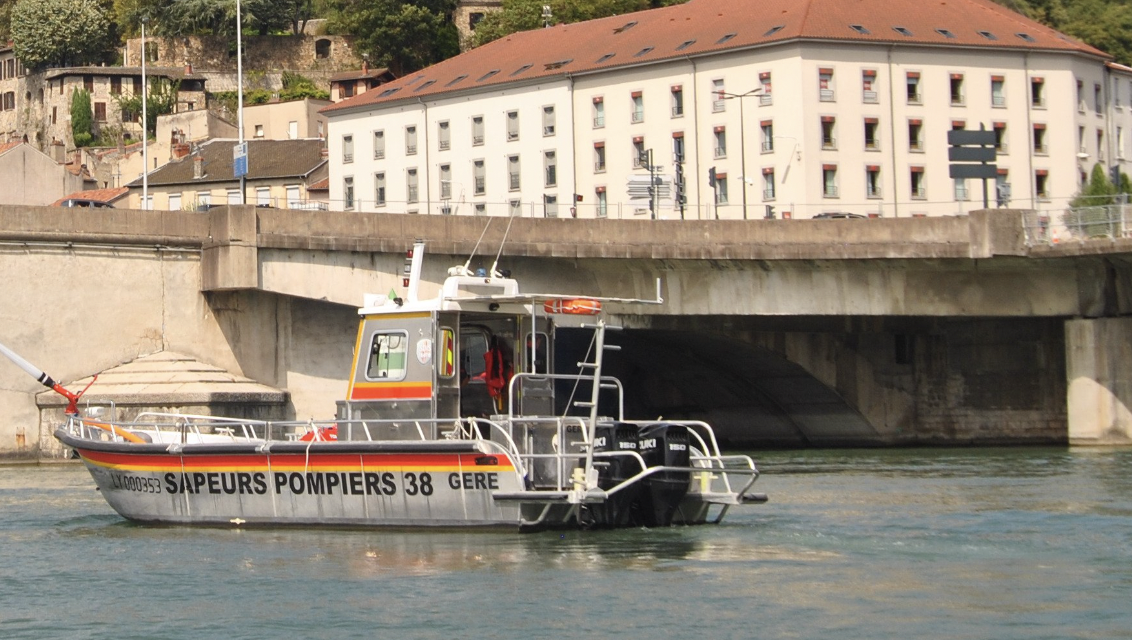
<point x="84" y="202"/>
<point x="837" y="214"/>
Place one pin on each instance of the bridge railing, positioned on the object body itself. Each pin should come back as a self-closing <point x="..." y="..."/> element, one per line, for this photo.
<point x="1054" y="226"/>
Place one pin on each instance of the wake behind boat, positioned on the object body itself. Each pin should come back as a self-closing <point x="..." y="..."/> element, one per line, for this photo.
<point x="455" y="415"/>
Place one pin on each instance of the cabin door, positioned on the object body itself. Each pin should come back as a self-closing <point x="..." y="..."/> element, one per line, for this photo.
<point x="536" y="394"/>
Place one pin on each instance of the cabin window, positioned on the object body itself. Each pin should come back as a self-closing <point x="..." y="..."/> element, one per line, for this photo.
<point x="446" y="365"/>
<point x="387" y="356"/>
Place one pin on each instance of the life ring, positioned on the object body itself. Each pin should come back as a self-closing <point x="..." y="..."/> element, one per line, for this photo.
<point x="573" y="306"/>
<point x="322" y="434"/>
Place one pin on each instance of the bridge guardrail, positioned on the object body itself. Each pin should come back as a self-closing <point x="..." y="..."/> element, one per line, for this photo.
<point x="1052" y="227"/>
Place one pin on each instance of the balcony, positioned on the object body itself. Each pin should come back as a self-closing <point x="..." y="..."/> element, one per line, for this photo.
<point x="637" y="117"/>
<point x="477" y="140"/>
<point x="677" y="111"/>
<point x="411" y="195"/>
<point x="513" y="182"/>
<point x="872" y="192"/>
<point x="599" y="122"/>
<point x="826" y="95"/>
<point x="445" y="145"/>
<point x="829" y="143"/>
<point x="379" y="154"/>
<point x="829" y="191"/>
<point x="599" y="166"/>
<point x="347" y="157"/>
<point x="998" y="101"/>
<point x="411" y="150"/>
<point x="767" y="146"/>
<point x="916" y="145"/>
<point x="919" y="192"/>
<point x="766" y="98"/>
<point x="768" y="194"/>
<point x="720" y="152"/>
<point x="872" y="145"/>
<point x="869" y="96"/>
<point x="512" y="136"/>
<point x="479" y="186"/>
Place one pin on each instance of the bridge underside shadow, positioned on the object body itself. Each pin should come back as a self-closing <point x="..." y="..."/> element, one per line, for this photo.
<point x="750" y="395"/>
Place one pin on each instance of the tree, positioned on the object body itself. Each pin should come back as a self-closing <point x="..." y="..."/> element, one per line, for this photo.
<point x="159" y="100"/>
<point x="1088" y="215"/>
<point x="82" y="120"/>
<point x="524" y="15"/>
<point x="403" y="35"/>
<point x="65" y="32"/>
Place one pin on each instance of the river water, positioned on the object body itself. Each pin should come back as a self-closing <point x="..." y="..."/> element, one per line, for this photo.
<point x="925" y="543"/>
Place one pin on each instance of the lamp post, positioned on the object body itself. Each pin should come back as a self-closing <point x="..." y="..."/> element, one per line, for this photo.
<point x="742" y="137"/>
<point x="144" y="122"/>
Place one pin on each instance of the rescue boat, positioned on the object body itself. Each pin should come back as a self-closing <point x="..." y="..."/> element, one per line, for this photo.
<point x="455" y="415"/>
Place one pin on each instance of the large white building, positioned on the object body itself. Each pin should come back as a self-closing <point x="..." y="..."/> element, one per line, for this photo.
<point x="806" y="106"/>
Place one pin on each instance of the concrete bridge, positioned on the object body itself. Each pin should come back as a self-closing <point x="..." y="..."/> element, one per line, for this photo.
<point x="789" y="333"/>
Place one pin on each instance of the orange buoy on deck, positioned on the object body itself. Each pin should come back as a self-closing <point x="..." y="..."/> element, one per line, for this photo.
<point x="575" y="306"/>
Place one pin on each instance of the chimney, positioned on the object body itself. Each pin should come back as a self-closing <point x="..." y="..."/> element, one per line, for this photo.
<point x="188" y="68"/>
<point x="198" y="167"/>
<point x="180" y="150"/>
<point x="365" y="67"/>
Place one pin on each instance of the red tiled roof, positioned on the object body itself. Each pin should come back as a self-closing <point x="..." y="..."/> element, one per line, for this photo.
<point x="321" y="185"/>
<point x="8" y="146"/>
<point x="704" y="27"/>
<point x="97" y="195"/>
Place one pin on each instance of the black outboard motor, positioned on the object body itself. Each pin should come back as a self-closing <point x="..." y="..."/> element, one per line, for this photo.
<point x="663" y="445"/>
<point x="622" y="508"/>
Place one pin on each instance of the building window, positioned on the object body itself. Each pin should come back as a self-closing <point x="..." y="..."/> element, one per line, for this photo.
<point x="443" y="136"/>
<point x="638" y="114"/>
<point x="378" y="145"/>
<point x="115" y="85"/>
<point x="602" y="203"/>
<point x="868" y="86"/>
<point x="479" y="177"/>
<point x="915" y="135"/>
<point x="259" y="131"/>
<point x="347" y="149"/>
<point x="1041" y="184"/>
<point x="599" y="113"/>
<point x="721" y="188"/>
<point x="88" y="83"/>
<point x="477" y="131"/>
<point x="379" y="189"/>
<point x="1081" y="140"/>
<point x="513" y="182"/>
<point x="638" y="152"/>
<point x="204" y="198"/>
<point x="174" y="202"/>
<point x="1040" y="139"/>
<point x="720" y="142"/>
<point x="825" y="85"/>
<point x="550" y="206"/>
<point x="412" y="188"/>
<point x="550" y="168"/>
<point x="100" y="112"/>
<point x="234" y="197"/>
<point x="548" y="122"/>
<point x="768" y="184"/>
<point x="410" y="140"/>
<point x="872" y="181"/>
<point x="678" y="146"/>
<point x="872" y="141"/>
<point x="829" y="181"/>
<point x="515" y="208"/>
<point x="1097" y="100"/>
<point x="599" y="157"/>
<point x="263" y="196"/>
<point x="474" y="19"/>
<point x="828" y="124"/>
<point x="1100" y="145"/>
<point x="918" y="184"/>
<point x="348" y="193"/>
<point x="1000" y="145"/>
<point x="1120" y="144"/>
<point x="512" y="125"/>
<point x="445" y="182"/>
<point x="765" y="96"/>
<point x="322" y="48"/>
<point x="998" y="91"/>
<point x="481" y="209"/>
<point x="912" y="82"/>
<point x="1037" y="92"/>
<point x="677" y="101"/>
<point x="957" y="94"/>
<point x="961" y="190"/>
<point x="1081" y="96"/>
<point x="767" y="127"/>
<point x="346" y="90"/>
<point x="718" y="99"/>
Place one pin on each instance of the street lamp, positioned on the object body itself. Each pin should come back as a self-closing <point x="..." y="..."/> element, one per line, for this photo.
<point x="742" y="137"/>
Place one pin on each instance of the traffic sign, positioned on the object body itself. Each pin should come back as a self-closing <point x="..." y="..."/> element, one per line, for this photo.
<point x="971" y="154"/>
<point x="960" y="171"/>
<point x="240" y="159"/>
<point x="968" y="136"/>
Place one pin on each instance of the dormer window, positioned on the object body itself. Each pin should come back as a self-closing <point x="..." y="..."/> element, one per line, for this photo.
<point x="726" y="38"/>
<point x="642" y="52"/>
<point x="773" y="30"/>
<point x="625" y="27"/>
<point x="425" y="86"/>
<point x="859" y="29"/>
<point x="988" y="35"/>
<point x="389" y="92"/>
<point x="903" y="31"/>
<point x="685" y="45"/>
<point x="487" y="75"/>
<point x="520" y="70"/>
<point x="1025" y="36"/>
<point x="945" y="33"/>
<point x="551" y="66"/>
<point x="605" y="57"/>
<point x="456" y="80"/>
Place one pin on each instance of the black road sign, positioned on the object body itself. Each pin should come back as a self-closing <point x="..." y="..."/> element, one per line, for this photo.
<point x="960" y="171"/>
<point x="965" y="136"/>
<point x="971" y="154"/>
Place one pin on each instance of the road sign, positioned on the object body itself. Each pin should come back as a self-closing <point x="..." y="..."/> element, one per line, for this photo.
<point x="240" y="159"/>
<point x="971" y="154"/>
<point x="960" y="171"/>
<point x="966" y="136"/>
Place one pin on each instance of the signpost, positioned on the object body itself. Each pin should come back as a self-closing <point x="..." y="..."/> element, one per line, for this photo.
<point x="240" y="160"/>
<point x="972" y="146"/>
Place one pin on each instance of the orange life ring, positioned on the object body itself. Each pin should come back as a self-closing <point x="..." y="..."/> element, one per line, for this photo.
<point x="323" y="434"/>
<point x="574" y="306"/>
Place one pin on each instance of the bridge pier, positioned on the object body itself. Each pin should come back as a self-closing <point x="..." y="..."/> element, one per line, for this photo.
<point x="1098" y="362"/>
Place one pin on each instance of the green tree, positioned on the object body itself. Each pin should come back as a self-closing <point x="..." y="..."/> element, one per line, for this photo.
<point x="1088" y="215"/>
<point x="524" y="15"/>
<point x="159" y="100"/>
<point x="403" y="35"/>
<point x="65" y="32"/>
<point x="82" y="119"/>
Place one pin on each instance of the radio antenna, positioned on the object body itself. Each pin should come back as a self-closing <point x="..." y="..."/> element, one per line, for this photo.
<point x="502" y="242"/>
<point x="476" y="248"/>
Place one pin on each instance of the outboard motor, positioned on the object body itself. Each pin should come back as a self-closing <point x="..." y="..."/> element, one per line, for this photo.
<point x="622" y="508"/>
<point x="663" y="445"/>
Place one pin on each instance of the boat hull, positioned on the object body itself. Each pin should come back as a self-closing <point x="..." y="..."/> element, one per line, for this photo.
<point x="305" y="484"/>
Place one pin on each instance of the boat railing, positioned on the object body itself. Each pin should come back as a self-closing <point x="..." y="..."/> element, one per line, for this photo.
<point x="607" y="382"/>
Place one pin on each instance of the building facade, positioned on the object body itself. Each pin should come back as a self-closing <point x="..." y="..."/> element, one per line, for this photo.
<point x="793" y="109"/>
